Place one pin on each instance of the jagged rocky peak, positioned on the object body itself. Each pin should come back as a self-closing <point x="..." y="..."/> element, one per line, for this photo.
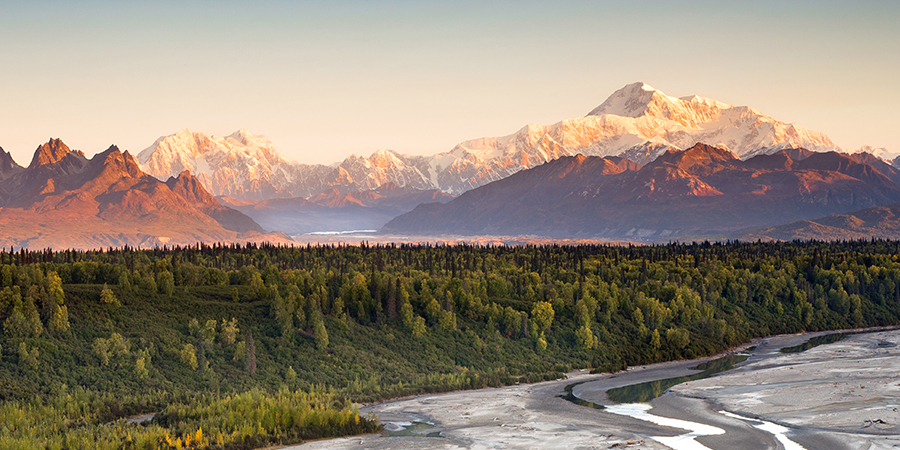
<point x="189" y="187"/>
<point x="701" y="152"/>
<point x="183" y="177"/>
<point x="122" y="162"/>
<point x="8" y="165"/>
<point x="51" y="152"/>
<point x="110" y="200"/>
<point x="185" y="180"/>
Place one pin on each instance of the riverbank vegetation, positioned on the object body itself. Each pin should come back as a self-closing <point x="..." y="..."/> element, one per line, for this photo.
<point x="198" y="334"/>
<point x="252" y="419"/>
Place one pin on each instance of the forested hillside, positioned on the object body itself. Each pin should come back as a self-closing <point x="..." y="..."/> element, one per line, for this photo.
<point x="249" y="345"/>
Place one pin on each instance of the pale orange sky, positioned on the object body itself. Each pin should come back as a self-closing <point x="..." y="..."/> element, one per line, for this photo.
<point x="327" y="79"/>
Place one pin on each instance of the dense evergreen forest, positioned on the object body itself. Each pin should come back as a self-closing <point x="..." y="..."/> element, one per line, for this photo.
<point x="243" y="346"/>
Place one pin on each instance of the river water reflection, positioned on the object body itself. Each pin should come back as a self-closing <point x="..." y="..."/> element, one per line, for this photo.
<point x="815" y="342"/>
<point x="644" y="392"/>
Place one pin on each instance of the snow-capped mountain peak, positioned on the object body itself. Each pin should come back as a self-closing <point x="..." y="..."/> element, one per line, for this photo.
<point x="879" y="152"/>
<point x="639" y="100"/>
<point x="385" y="159"/>
<point x="638" y="122"/>
<point x="632" y="100"/>
<point x="706" y="101"/>
<point x="233" y="165"/>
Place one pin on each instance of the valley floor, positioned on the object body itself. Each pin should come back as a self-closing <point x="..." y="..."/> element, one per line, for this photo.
<point x="838" y="396"/>
<point x="374" y="237"/>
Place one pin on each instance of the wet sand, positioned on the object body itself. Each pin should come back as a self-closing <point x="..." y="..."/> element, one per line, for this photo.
<point x="522" y="416"/>
<point x="824" y="396"/>
<point x="847" y="392"/>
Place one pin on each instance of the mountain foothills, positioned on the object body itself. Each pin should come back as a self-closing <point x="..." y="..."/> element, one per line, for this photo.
<point x="699" y="192"/>
<point x="879" y="222"/>
<point x="65" y="200"/>
<point x="249" y="346"/>
<point x="637" y="122"/>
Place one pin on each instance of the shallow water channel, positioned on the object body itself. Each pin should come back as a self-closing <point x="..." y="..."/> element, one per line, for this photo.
<point x="644" y="392"/>
<point x="815" y="342"/>
<point x="633" y="400"/>
<point x="647" y="391"/>
<point x="413" y="428"/>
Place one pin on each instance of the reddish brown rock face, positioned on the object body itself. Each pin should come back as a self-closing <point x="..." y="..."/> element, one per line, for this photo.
<point x="703" y="191"/>
<point x="65" y="200"/>
<point x="50" y="153"/>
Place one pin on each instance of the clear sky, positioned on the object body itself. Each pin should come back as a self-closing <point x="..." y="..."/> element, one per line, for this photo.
<point x="324" y="79"/>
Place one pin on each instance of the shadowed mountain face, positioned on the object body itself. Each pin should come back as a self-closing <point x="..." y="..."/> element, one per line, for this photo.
<point x="702" y="191"/>
<point x="8" y="167"/>
<point x="881" y="222"/>
<point x="64" y="200"/>
<point x="189" y="188"/>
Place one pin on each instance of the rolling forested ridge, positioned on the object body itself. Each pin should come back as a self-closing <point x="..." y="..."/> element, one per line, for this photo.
<point x="244" y="346"/>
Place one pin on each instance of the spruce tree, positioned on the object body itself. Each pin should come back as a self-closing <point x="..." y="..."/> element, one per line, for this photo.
<point x="240" y="351"/>
<point x="321" y="336"/>
<point x="250" y="354"/>
<point x="291" y="375"/>
<point x="33" y="318"/>
<point x="165" y="282"/>
<point x="189" y="356"/>
<point x="59" y="321"/>
<point x="107" y="297"/>
<point x="16" y="325"/>
<point x="229" y="331"/>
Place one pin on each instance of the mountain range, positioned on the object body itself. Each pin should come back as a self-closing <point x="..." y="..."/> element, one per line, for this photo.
<point x="699" y="192"/>
<point x="637" y="122"/>
<point x="65" y="200"/>
<point x="642" y="166"/>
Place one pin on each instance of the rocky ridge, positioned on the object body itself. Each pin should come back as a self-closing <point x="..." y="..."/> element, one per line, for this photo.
<point x="65" y="200"/>
<point x="701" y="192"/>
